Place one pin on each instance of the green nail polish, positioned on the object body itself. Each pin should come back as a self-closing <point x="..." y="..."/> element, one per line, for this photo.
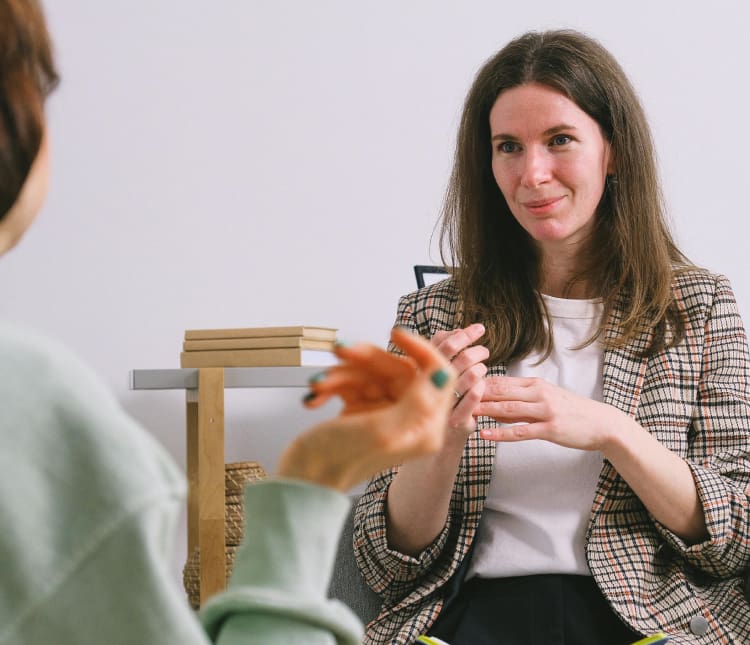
<point x="317" y="378"/>
<point x="439" y="378"/>
<point x="308" y="397"/>
<point x="342" y="343"/>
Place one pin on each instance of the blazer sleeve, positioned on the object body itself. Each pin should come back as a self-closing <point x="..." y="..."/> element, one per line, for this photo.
<point x="720" y="443"/>
<point x="390" y="573"/>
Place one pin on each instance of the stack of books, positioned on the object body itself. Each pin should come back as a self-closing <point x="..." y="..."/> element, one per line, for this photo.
<point x="259" y="347"/>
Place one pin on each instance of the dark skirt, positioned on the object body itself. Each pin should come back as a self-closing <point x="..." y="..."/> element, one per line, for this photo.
<point x="531" y="610"/>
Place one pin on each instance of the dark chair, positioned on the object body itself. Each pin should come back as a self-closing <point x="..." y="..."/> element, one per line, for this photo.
<point x="426" y="273"/>
<point x="347" y="583"/>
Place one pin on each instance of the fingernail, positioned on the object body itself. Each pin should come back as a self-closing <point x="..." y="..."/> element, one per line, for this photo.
<point x="342" y="344"/>
<point x="308" y="397"/>
<point x="439" y="378"/>
<point x="485" y="434"/>
<point x="317" y="378"/>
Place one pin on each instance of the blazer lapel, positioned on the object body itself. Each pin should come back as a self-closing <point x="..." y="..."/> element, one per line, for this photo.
<point x="624" y="367"/>
<point x="623" y="375"/>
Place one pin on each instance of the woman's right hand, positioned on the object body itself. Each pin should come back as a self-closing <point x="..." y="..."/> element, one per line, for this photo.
<point x="420" y="492"/>
<point x="467" y="359"/>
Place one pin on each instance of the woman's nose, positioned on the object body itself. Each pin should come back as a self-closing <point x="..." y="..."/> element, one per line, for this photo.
<point x="537" y="168"/>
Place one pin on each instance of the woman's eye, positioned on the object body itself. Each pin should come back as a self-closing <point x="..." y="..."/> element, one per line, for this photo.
<point x="507" y="146"/>
<point x="560" y="140"/>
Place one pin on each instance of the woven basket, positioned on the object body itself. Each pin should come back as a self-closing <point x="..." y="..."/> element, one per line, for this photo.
<point x="235" y="477"/>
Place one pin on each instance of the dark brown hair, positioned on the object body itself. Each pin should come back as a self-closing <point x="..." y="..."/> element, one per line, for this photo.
<point x="27" y="76"/>
<point x="630" y="256"/>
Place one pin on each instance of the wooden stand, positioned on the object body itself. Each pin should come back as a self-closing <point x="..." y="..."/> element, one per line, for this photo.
<point x="205" y="472"/>
<point x="204" y="395"/>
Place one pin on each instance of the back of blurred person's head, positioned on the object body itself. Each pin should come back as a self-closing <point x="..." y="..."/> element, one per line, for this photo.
<point x="27" y="76"/>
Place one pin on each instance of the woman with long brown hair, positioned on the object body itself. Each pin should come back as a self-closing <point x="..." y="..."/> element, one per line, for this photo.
<point x="593" y="487"/>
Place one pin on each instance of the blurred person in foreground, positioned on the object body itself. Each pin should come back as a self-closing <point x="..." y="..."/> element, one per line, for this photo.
<point x="91" y="500"/>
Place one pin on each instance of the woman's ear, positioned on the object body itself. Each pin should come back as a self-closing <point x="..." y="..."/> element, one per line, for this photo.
<point x="611" y="165"/>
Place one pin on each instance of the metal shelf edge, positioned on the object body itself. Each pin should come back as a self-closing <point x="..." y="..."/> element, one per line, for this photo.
<point x="187" y="378"/>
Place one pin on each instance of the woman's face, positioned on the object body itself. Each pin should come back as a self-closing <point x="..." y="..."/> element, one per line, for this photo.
<point x="20" y="216"/>
<point x="550" y="161"/>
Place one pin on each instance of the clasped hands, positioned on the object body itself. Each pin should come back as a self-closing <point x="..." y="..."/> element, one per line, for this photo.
<point x="401" y="407"/>
<point x="536" y="408"/>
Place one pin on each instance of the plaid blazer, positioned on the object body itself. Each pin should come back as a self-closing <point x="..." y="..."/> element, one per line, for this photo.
<point x="695" y="398"/>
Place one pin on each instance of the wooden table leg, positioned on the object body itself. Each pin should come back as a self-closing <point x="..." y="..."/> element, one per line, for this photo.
<point x="205" y="466"/>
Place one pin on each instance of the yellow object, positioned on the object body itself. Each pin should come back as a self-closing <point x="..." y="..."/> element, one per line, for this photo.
<point x="656" y="639"/>
<point x="430" y="640"/>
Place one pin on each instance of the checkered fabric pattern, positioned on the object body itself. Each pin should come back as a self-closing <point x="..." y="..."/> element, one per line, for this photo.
<point x="695" y="398"/>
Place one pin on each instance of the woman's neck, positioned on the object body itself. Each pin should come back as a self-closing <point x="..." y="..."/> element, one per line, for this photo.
<point x="557" y="274"/>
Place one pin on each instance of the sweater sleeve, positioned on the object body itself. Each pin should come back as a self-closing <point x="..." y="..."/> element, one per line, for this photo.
<point x="278" y="590"/>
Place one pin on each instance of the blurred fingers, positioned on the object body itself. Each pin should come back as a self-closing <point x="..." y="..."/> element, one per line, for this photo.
<point x="352" y="385"/>
<point x="425" y="355"/>
<point x="375" y="360"/>
<point x="369" y="374"/>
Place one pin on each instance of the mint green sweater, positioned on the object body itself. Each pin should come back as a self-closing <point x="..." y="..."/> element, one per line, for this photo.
<point x="89" y="507"/>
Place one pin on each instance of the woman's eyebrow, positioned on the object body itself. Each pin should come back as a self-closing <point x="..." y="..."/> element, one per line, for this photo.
<point x="563" y="127"/>
<point x="503" y="136"/>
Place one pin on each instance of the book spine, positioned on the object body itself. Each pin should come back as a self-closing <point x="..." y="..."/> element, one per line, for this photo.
<point x="277" y="357"/>
<point x="313" y="333"/>
<point x="215" y="344"/>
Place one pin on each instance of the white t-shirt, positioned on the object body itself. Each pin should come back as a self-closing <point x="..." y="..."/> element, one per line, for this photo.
<point x="540" y="495"/>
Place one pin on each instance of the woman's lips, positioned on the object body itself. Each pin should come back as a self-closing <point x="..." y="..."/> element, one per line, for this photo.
<point x="542" y="206"/>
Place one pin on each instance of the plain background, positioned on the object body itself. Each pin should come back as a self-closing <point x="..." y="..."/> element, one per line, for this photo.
<point x="251" y="163"/>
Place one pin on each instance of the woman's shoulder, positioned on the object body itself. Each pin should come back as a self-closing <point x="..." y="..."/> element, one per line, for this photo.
<point x="64" y="406"/>
<point x="437" y="299"/>
<point x="441" y="292"/>
<point x="53" y="368"/>
<point x="699" y="291"/>
<point x="431" y="308"/>
<point x="697" y="281"/>
<point x="28" y="352"/>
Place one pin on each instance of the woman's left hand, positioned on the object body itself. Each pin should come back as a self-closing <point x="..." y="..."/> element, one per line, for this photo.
<point x="543" y="411"/>
<point x="661" y="479"/>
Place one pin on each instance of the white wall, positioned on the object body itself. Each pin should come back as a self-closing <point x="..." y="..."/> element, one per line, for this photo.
<point x="242" y="163"/>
